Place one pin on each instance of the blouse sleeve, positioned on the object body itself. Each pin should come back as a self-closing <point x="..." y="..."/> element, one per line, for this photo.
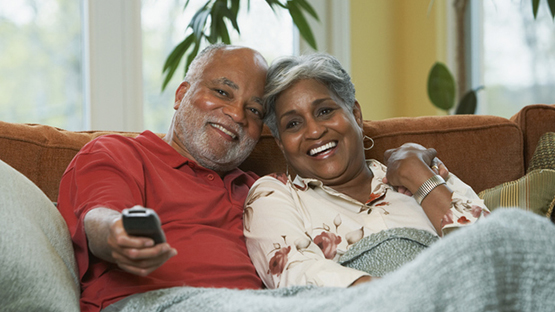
<point x="466" y="206"/>
<point x="279" y="242"/>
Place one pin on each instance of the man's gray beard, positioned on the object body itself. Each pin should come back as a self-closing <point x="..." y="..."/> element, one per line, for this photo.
<point x="197" y="144"/>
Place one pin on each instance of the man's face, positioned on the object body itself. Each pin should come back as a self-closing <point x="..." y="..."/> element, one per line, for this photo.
<point x="219" y="113"/>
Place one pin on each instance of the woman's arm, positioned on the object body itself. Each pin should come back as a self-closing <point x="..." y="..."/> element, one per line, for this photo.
<point x="452" y="204"/>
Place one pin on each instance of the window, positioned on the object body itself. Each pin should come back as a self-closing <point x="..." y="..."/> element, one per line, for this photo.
<point x="97" y="64"/>
<point x="164" y="24"/>
<point x="518" y="56"/>
<point x="41" y="63"/>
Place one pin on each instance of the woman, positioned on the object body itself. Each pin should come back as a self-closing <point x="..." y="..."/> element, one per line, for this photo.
<point x="299" y="232"/>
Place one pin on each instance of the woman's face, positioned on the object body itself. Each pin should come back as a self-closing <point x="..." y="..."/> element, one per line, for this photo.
<point x="319" y="138"/>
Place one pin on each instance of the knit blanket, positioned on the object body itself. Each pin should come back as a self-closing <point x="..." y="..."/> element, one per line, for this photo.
<point x="386" y="251"/>
<point x="502" y="263"/>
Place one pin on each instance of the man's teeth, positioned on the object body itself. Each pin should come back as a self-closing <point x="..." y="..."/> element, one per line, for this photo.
<point x="224" y="130"/>
<point x="322" y="148"/>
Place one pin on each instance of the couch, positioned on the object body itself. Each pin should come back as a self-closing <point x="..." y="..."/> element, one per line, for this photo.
<point x="486" y="152"/>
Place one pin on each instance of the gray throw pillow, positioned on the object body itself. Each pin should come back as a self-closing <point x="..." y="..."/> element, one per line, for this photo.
<point x="37" y="264"/>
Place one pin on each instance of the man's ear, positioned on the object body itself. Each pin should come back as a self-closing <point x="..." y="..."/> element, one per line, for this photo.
<point x="357" y="112"/>
<point x="180" y="93"/>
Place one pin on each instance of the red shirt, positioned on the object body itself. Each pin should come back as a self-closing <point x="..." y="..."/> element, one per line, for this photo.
<point x="201" y="215"/>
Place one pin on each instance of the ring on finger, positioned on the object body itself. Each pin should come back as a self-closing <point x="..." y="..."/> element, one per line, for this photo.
<point x="435" y="167"/>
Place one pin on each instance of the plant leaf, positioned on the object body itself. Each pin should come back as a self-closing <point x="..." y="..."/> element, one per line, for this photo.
<point x="308" y="8"/>
<point x="441" y="87"/>
<point x="271" y="3"/>
<point x="199" y="21"/>
<point x="300" y="22"/>
<point x="191" y="56"/>
<point x="551" y="7"/>
<point x="468" y="103"/>
<point x="178" y="51"/>
<point x="173" y="60"/>
<point x="535" y="7"/>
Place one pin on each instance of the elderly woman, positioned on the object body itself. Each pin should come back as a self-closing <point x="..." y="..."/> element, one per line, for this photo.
<point x="300" y="232"/>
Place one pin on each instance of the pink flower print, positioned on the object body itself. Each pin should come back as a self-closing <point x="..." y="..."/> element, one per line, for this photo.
<point x="328" y="243"/>
<point x="463" y="220"/>
<point x="279" y="260"/>
<point x="476" y="211"/>
<point x="447" y="219"/>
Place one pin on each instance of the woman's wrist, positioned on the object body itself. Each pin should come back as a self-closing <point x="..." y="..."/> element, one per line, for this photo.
<point x="427" y="187"/>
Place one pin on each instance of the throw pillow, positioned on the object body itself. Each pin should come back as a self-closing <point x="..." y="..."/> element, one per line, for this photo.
<point x="544" y="155"/>
<point x="534" y="192"/>
<point x="37" y="265"/>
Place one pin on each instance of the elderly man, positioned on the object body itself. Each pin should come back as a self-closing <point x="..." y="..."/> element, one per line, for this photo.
<point x="189" y="177"/>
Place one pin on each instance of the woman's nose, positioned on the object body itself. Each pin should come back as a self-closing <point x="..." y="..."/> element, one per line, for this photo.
<point x="315" y="130"/>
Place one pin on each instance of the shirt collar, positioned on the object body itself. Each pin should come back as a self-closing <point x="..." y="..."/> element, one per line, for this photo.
<point x="378" y="170"/>
<point x="155" y="142"/>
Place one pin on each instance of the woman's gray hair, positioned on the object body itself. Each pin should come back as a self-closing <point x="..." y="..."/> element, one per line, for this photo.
<point x="286" y="71"/>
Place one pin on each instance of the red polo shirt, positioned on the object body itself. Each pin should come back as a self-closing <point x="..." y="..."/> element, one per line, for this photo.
<point x="201" y="215"/>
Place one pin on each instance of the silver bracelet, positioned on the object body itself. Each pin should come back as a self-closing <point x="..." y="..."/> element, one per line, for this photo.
<point x="427" y="187"/>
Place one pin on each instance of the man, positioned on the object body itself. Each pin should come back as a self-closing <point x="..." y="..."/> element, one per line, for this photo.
<point x="189" y="177"/>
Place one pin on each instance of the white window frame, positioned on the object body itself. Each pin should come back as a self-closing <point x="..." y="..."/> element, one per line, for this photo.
<point x="112" y="56"/>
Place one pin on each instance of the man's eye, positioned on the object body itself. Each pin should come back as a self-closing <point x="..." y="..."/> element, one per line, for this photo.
<point x="256" y="112"/>
<point x="221" y="92"/>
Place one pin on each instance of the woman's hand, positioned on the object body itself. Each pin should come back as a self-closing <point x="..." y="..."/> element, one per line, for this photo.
<point x="109" y="241"/>
<point x="399" y="167"/>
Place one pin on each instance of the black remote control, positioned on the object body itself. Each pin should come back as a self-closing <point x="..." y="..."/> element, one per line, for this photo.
<point x="140" y="221"/>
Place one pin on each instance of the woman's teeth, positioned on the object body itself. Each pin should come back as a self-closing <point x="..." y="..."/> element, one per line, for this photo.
<point x="322" y="148"/>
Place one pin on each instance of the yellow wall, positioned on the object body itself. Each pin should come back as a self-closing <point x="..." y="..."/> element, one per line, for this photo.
<point x="394" y="44"/>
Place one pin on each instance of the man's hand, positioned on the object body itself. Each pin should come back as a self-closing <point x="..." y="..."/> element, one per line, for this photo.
<point x="109" y="241"/>
<point x="405" y="163"/>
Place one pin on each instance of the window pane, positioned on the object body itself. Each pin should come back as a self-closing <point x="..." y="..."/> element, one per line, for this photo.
<point x="164" y="23"/>
<point x="519" y="56"/>
<point x="40" y="62"/>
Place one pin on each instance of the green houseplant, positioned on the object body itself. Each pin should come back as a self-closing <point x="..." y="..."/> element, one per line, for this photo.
<point x="210" y="24"/>
<point x="442" y="88"/>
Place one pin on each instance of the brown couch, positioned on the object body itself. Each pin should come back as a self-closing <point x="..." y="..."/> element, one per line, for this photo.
<point x="38" y="271"/>
<point x="484" y="151"/>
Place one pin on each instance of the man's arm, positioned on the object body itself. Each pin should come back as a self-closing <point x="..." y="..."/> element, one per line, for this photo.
<point x="108" y="241"/>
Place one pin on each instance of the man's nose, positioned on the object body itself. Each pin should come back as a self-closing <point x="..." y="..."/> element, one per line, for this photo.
<point x="235" y="112"/>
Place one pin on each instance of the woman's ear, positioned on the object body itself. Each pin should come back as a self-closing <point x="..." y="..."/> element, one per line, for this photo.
<point x="280" y="145"/>
<point x="180" y="93"/>
<point x="357" y="112"/>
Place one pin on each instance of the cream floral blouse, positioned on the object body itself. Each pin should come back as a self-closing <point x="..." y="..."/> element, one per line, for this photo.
<point x="296" y="231"/>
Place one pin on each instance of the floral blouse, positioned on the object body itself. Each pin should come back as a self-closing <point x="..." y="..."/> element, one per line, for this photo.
<point x="296" y="231"/>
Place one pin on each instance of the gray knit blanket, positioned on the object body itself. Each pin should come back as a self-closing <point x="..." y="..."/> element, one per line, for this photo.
<point x="505" y="262"/>
<point x="386" y="251"/>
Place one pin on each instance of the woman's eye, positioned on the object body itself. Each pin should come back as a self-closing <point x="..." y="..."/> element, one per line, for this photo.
<point x="325" y="111"/>
<point x="291" y="124"/>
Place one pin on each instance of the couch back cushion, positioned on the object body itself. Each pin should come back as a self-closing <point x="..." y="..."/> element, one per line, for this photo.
<point x="482" y="151"/>
<point x="534" y="120"/>
<point x="42" y="153"/>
